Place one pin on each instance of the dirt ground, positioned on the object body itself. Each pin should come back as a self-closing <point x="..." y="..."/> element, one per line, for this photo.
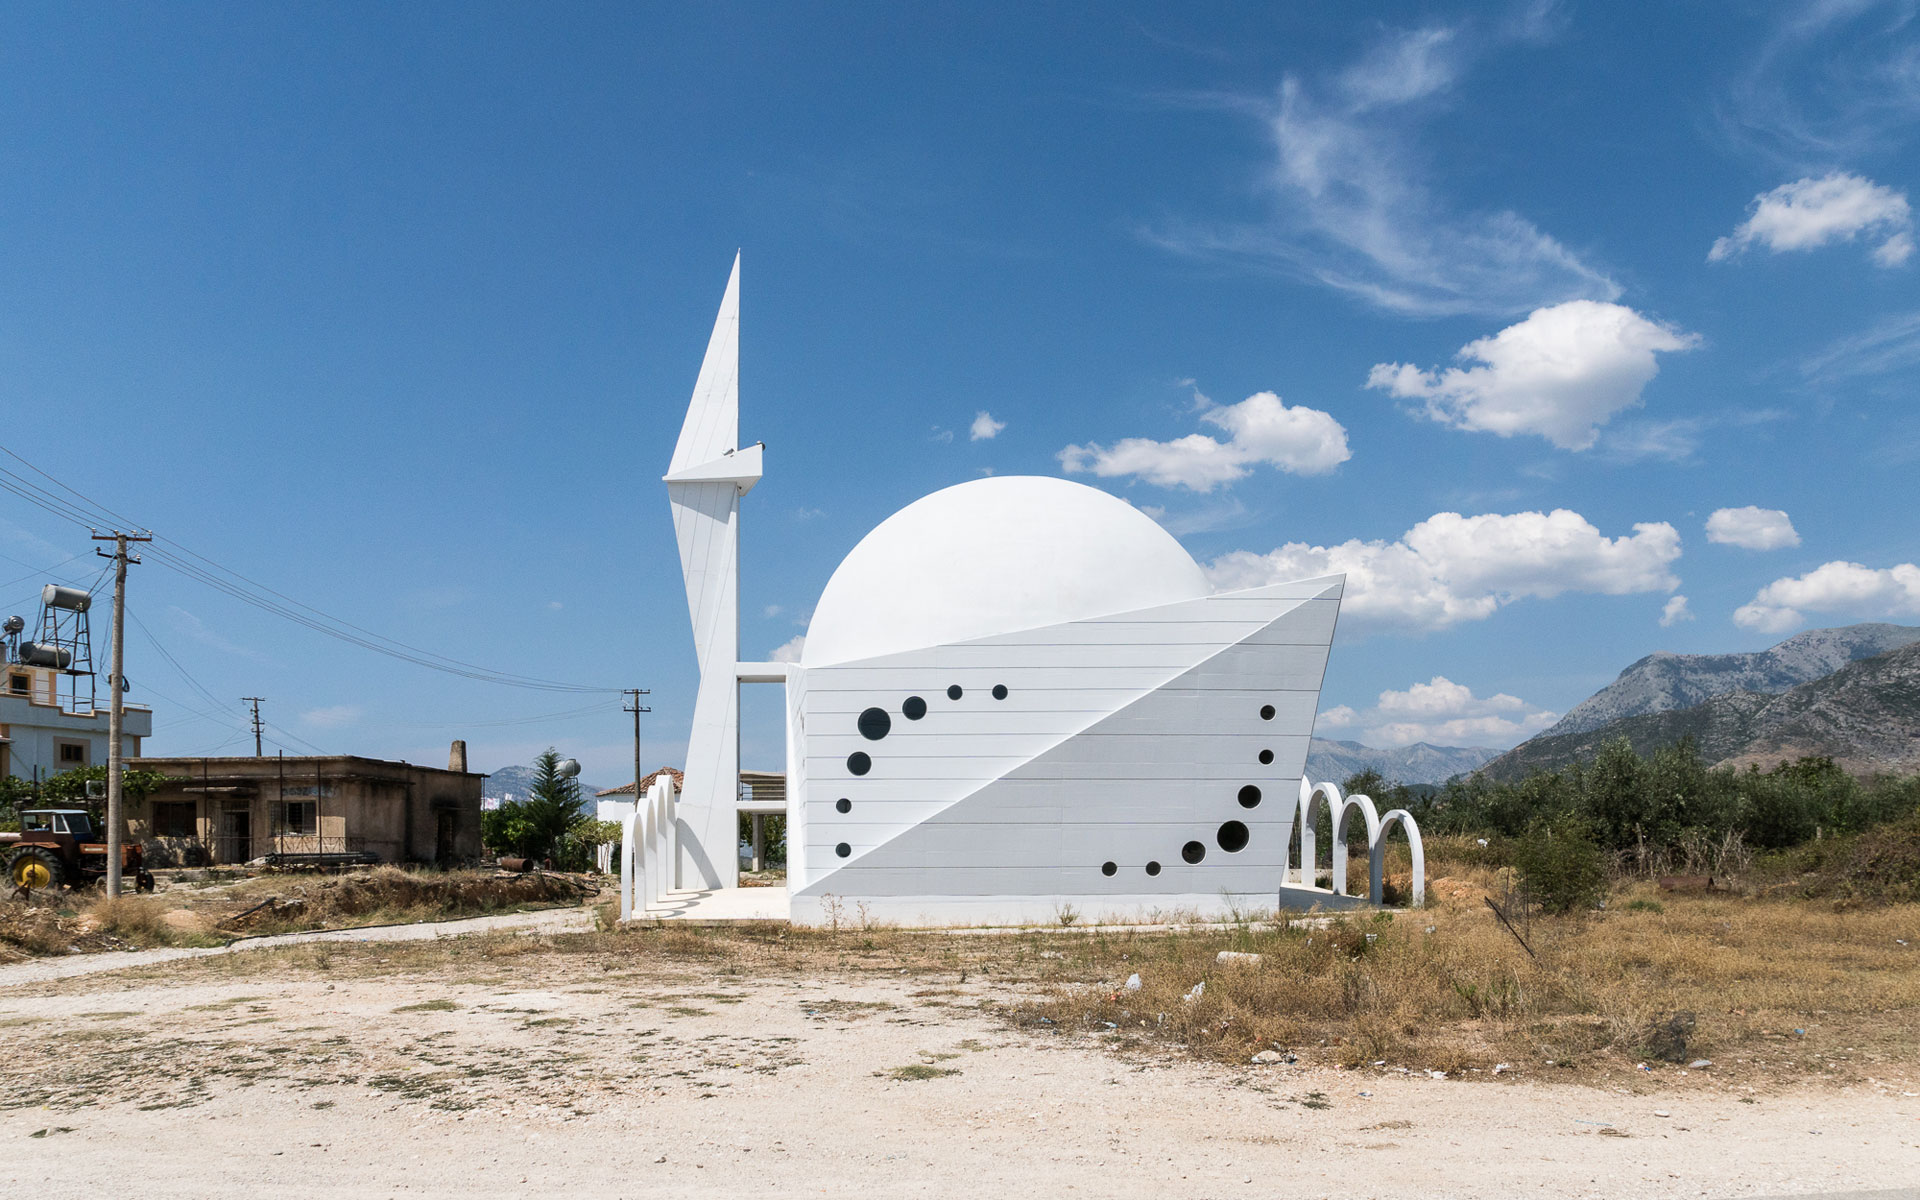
<point x="502" y="1066"/>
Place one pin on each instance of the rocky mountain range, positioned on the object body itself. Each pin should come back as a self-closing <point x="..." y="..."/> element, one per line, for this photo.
<point x="1865" y="715"/>
<point x="518" y="781"/>
<point x="1664" y="682"/>
<point x="1331" y="760"/>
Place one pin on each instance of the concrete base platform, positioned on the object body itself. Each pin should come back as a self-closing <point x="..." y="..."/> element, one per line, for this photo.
<point x="720" y="906"/>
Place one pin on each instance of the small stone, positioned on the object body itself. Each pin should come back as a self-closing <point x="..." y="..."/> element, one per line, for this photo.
<point x="1499" y="1068"/>
<point x="1699" y="1064"/>
<point x="1133" y="982"/>
<point x="1269" y="1057"/>
<point x="1236" y="956"/>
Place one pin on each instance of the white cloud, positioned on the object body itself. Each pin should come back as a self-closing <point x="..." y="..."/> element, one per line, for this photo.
<point x="1443" y="712"/>
<point x="1450" y="568"/>
<point x="1841" y="588"/>
<point x="1752" y="528"/>
<point x="772" y="610"/>
<point x="789" y="650"/>
<point x="335" y="716"/>
<point x="1339" y="716"/>
<point x="1354" y="208"/>
<point x="984" y="426"/>
<point x="1261" y="428"/>
<point x="1561" y="373"/>
<point x="1674" y="612"/>
<point x="1809" y="213"/>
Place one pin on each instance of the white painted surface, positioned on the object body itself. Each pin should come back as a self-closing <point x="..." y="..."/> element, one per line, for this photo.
<point x="991" y="557"/>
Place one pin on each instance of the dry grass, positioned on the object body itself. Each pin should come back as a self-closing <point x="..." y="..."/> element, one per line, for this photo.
<point x="1792" y="986"/>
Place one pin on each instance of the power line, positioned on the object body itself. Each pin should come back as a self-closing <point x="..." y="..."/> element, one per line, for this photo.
<point x="184" y="561"/>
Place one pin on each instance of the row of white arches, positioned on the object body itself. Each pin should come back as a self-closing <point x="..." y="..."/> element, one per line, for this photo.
<point x="1343" y="809"/>
<point x="649" y="842"/>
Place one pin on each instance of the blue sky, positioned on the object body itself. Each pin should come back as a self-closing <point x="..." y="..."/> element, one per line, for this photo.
<point x="395" y="309"/>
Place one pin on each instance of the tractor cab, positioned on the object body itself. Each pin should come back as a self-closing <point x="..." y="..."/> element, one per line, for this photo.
<point x="73" y="822"/>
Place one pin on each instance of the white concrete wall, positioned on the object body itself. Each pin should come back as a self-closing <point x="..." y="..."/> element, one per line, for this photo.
<point x="1120" y="740"/>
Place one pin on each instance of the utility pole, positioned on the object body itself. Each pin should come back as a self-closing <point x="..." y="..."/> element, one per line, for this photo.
<point x="117" y="691"/>
<point x="255" y="701"/>
<point x="636" y="709"/>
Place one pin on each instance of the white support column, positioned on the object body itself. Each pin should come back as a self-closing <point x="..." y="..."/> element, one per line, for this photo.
<point x="628" y="874"/>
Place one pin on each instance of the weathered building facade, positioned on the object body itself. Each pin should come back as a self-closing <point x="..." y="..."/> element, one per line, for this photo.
<point x="235" y="810"/>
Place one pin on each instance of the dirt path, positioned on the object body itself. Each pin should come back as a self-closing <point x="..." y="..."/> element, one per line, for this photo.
<point x="552" y="920"/>
<point x="508" y="1069"/>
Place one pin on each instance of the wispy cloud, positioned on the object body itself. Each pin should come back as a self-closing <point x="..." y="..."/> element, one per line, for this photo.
<point x="984" y="427"/>
<point x="1834" y="81"/>
<point x="1674" y="611"/>
<point x="789" y="651"/>
<point x="336" y="716"/>
<point x="1890" y="344"/>
<point x="187" y="624"/>
<point x="1353" y="207"/>
<point x="1441" y="711"/>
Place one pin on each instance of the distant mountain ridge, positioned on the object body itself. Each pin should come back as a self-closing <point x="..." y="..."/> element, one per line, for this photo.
<point x="1332" y="761"/>
<point x="1865" y="716"/>
<point x="1665" y="682"/>
<point x="518" y="781"/>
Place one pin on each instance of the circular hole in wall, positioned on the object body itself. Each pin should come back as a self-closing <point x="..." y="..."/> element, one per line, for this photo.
<point x="1249" y="796"/>
<point x="1232" y="837"/>
<point x="843" y="849"/>
<point x="1266" y="712"/>
<point x="843" y="805"/>
<point x="999" y="691"/>
<point x="1153" y="868"/>
<point x="875" y="724"/>
<point x="1193" y="852"/>
<point x="914" y="708"/>
<point x="1108" y="868"/>
<point x="954" y="693"/>
<point x="859" y="763"/>
<point x="1266" y="758"/>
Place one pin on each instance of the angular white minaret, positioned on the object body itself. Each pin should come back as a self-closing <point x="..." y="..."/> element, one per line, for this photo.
<point x="705" y="481"/>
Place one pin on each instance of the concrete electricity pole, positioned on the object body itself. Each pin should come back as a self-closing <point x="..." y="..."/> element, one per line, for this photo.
<point x="636" y="710"/>
<point x="255" y="701"/>
<point x="116" y="704"/>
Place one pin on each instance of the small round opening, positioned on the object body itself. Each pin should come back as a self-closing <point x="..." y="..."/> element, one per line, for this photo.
<point x="1249" y="797"/>
<point x="1232" y="837"/>
<point x="954" y="693"/>
<point x="859" y="763"/>
<point x="843" y="849"/>
<point x="1266" y="712"/>
<point x="999" y="691"/>
<point x="1108" y="868"/>
<point x="843" y="805"/>
<point x="1266" y="758"/>
<point x="875" y="724"/>
<point x="1153" y="868"/>
<point x="1193" y="852"/>
<point x="914" y="708"/>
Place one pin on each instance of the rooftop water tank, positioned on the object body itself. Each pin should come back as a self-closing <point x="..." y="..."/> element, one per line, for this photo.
<point x="55" y="596"/>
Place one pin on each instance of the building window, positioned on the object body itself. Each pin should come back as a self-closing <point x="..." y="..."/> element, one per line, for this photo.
<point x="174" y="819"/>
<point x="19" y="685"/>
<point x="73" y="754"/>
<point x="297" y="816"/>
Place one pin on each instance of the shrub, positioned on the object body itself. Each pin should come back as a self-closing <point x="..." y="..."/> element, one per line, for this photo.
<point x="1561" y="865"/>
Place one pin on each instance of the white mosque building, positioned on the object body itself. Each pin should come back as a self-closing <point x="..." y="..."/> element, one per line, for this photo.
<point x="1018" y="698"/>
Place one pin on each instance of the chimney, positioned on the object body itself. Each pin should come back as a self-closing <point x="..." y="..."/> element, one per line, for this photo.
<point x="457" y="756"/>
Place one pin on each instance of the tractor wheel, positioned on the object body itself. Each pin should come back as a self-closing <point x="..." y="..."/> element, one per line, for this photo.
<point x="35" y="869"/>
<point x="143" y="882"/>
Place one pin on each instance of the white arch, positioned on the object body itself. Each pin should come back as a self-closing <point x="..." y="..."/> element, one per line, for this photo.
<point x="1310" y="792"/>
<point x="1344" y="812"/>
<point x="627" y="872"/>
<point x="1377" y="856"/>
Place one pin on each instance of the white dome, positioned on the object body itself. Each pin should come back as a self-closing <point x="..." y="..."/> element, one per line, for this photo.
<point x="994" y="556"/>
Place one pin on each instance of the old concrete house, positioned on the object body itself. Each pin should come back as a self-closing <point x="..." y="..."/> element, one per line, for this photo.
<point x="317" y="808"/>
<point x="43" y="732"/>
